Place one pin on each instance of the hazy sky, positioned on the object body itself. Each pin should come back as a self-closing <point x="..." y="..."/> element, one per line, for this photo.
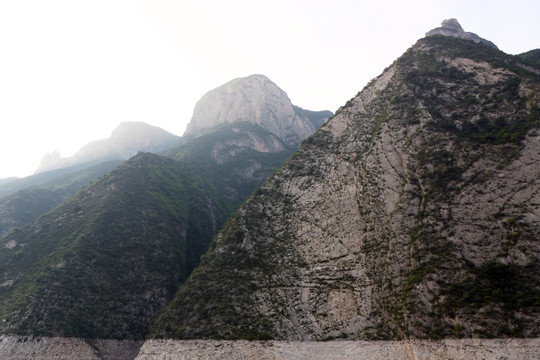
<point x="71" y="71"/>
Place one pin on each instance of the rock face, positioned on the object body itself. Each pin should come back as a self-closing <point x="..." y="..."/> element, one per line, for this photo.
<point x="257" y="100"/>
<point x="29" y="348"/>
<point x="451" y="27"/>
<point x="479" y="349"/>
<point x="125" y="141"/>
<point x="414" y="212"/>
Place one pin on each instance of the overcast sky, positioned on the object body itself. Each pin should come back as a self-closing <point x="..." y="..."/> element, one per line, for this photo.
<point x="71" y="71"/>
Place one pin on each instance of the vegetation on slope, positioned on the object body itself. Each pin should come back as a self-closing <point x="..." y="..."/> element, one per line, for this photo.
<point x="107" y="261"/>
<point x="532" y="57"/>
<point x="26" y="205"/>
<point x="74" y="176"/>
<point x="452" y="130"/>
<point x="103" y="263"/>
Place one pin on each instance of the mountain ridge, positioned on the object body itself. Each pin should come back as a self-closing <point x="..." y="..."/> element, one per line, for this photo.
<point x="125" y="141"/>
<point x="379" y="226"/>
<point x="105" y="262"/>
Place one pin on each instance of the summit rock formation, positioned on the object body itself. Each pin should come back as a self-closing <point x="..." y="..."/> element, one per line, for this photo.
<point x="451" y="27"/>
<point x="257" y="100"/>
<point x="413" y="213"/>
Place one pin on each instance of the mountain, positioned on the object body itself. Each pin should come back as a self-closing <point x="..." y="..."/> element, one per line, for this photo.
<point x="108" y="256"/>
<point x="47" y="178"/>
<point x="532" y="57"/>
<point x="413" y="212"/>
<point x="257" y="100"/>
<point x="7" y="180"/>
<point x="125" y="141"/>
<point x="106" y="261"/>
<point x="24" y="200"/>
<point x="451" y="27"/>
<point x="40" y="193"/>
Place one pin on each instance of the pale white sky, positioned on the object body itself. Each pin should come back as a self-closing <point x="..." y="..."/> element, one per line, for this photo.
<point x="71" y="71"/>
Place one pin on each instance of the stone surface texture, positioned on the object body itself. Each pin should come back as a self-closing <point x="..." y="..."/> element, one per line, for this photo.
<point x="451" y="27"/>
<point x="45" y="348"/>
<point x="470" y="349"/>
<point x="413" y="212"/>
<point x="257" y="100"/>
<point x="25" y="348"/>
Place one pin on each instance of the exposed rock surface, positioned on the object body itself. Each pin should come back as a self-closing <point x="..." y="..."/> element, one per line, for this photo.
<point x="470" y="349"/>
<point x="44" y="348"/>
<point x="28" y="348"/>
<point x="414" y="212"/>
<point x="257" y="100"/>
<point x="451" y="27"/>
<point x="125" y="141"/>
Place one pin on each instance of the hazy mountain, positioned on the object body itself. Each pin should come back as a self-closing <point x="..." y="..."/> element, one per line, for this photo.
<point x="257" y="100"/>
<point x="23" y="200"/>
<point x="104" y="263"/>
<point x="7" y="180"/>
<point x="40" y="193"/>
<point x="414" y="212"/>
<point x="125" y="141"/>
<point x="46" y="178"/>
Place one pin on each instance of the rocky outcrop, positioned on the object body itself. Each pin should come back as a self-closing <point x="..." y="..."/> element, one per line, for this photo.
<point x="257" y="100"/>
<point x="471" y="349"/>
<point x="126" y="140"/>
<point x="451" y="27"/>
<point x="29" y="348"/>
<point x="44" y="348"/>
<point x="414" y="212"/>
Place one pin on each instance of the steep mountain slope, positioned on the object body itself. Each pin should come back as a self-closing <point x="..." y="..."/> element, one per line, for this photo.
<point x="55" y="186"/>
<point x="236" y="157"/>
<point x="257" y="100"/>
<point x="26" y="205"/>
<point x="414" y="212"/>
<point x="125" y="141"/>
<point x="104" y="263"/>
<point x="23" y="200"/>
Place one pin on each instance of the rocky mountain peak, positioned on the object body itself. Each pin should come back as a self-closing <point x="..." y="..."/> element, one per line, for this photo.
<point x="125" y="141"/>
<point x="411" y="213"/>
<point x="257" y="100"/>
<point x="451" y="27"/>
<point x="451" y="24"/>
